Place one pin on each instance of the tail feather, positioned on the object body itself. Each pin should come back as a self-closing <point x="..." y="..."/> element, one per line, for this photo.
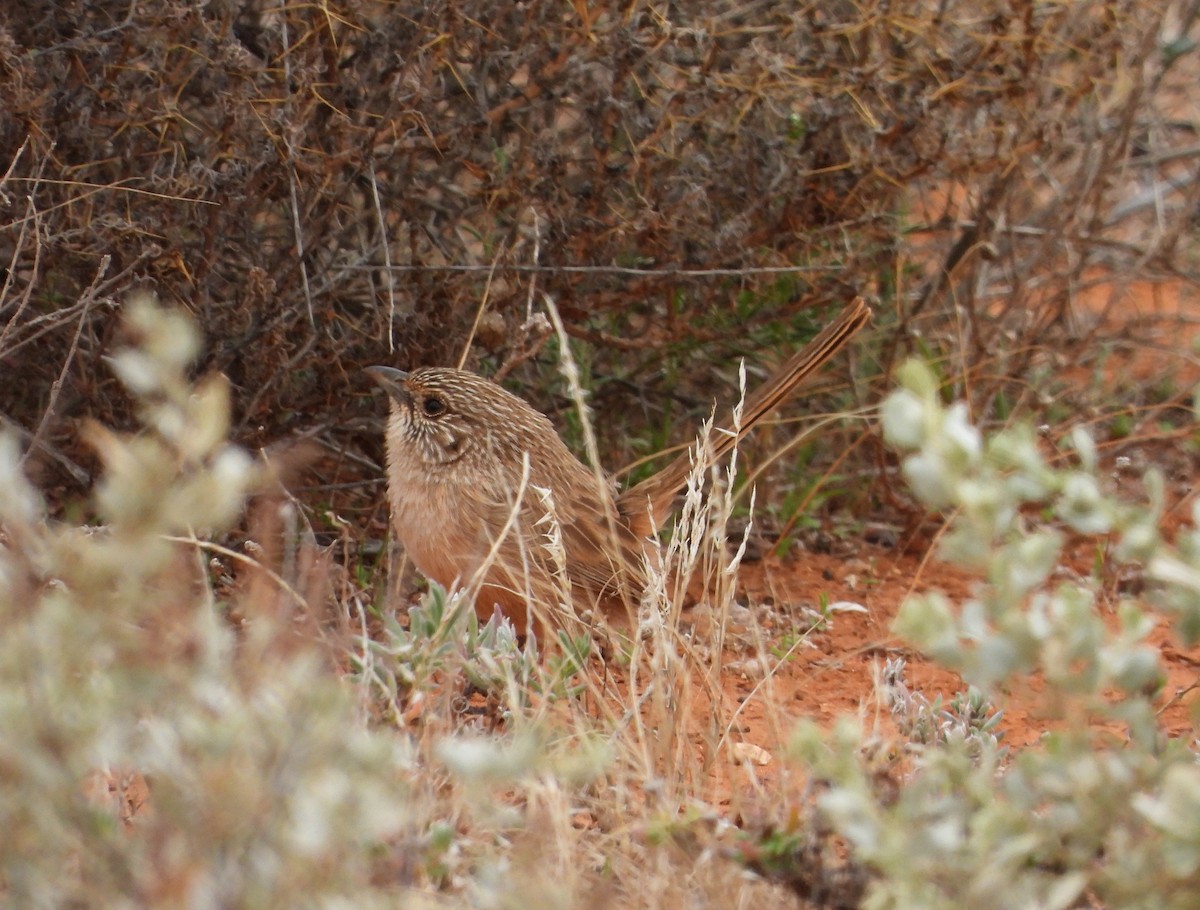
<point x="647" y="504"/>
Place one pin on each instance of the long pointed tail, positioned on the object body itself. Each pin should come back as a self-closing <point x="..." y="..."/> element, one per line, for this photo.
<point x="647" y="504"/>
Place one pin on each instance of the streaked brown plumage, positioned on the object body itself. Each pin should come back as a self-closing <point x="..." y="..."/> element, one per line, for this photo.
<point x="473" y="471"/>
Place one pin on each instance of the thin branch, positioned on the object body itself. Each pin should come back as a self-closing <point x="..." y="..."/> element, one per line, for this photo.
<point x="86" y="300"/>
<point x="607" y="270"/>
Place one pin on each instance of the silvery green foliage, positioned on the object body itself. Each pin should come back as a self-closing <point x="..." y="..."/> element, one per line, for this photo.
<point x="1085" y="811"/>
<point x="264" y="789"/>
<point x="968" y="716"/>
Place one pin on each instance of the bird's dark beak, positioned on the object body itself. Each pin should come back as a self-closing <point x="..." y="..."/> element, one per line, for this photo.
<point x="392" y="381"/>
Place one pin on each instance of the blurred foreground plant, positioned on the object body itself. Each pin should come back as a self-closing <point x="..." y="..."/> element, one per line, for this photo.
<point x="1084" y="812"/>
<point x="264" y="789"/>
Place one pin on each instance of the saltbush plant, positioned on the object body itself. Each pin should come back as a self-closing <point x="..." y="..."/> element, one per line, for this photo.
<point x="150" y="756"/>
<point x="1084" y="814"/>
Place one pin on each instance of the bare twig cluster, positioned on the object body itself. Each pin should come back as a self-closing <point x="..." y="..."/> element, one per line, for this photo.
<point x="328" y="185"/>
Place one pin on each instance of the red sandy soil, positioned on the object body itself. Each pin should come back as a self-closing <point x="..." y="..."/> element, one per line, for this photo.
<point x="839" y="674"/>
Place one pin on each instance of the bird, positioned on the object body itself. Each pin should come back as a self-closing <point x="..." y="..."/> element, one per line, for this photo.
<point x="484" y="494"/>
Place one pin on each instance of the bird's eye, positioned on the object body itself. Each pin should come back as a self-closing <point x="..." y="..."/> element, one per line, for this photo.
<point x="433" y="406"/>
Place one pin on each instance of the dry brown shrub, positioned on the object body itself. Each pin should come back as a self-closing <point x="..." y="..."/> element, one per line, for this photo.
<point x="330" y="185"/>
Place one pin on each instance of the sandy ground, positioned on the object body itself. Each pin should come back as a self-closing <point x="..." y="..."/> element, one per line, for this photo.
<point x="837" y="671"/>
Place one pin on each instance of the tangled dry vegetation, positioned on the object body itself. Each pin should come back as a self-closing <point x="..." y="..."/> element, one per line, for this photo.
<point x="326" y="186"/>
